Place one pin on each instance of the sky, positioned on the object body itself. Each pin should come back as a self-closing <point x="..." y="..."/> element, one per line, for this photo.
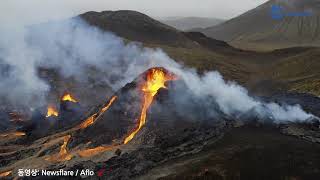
<point x="25" y="12"/>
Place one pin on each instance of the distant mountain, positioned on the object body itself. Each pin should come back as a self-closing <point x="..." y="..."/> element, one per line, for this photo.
<point x="189" y="23"/>
<point x="274" y="24"/>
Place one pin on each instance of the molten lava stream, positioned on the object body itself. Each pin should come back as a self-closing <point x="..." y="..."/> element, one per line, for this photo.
<point x="63" y="155"/>
<point x="142" y="121"/>
<point x="4" y="174"/>
<point x="52" y="111"/>
<point x="94" y="151"/>
<point x="68" y="97"/>
<point x="89" y="121"/>
<point x="13" y="134"/>
<point x="155" y="80"/>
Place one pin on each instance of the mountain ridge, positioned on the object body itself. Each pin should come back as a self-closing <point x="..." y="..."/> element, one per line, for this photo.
<point x="257" y="27"/>
<point x="136" y="26"/>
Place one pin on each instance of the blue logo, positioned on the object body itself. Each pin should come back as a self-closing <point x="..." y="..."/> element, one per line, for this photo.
<point x="278" y="13"/>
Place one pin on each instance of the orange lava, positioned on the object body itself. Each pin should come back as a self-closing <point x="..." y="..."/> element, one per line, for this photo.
<point x="52" y="111"/>
<point x="104" y="109"/>
<point x="155" y="80"/>
<point x="68" y="97"/>
<point x="63" y="155"/>
<point x="13" y="134"/>
<point x="19" y="133"/>
<point x="4" y="174"/>
<point x="89" y="121"/>
<point x="94" y="151"/>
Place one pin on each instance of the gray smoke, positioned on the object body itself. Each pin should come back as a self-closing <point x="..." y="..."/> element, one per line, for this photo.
<point x="73" y="47"/>
<point x="234" y="99"/>
<point x="19" y="81"/>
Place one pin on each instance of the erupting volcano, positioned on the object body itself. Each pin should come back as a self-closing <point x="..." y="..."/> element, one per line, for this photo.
<point x="155" y="80"/>
<point x="118" y="95"/>
<point x="111" y="132"/>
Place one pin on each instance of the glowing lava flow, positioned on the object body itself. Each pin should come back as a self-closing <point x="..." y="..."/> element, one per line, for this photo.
<point x="89" y="121"/>
<point x="63" y="155"/>
<point x="68" y="97"/>
<point x="13" y="134"/>
<point x="155" y="80"/>
<point x="94" y="151"/>
<point x="104" y="109"/>
<point x="52" y="111"/>
<point x="4" y="174"/>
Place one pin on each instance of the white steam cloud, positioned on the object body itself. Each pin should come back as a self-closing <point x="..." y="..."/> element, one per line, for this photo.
<point x="234" y="99"/>
<point x="73" y="46"/>
<point x="19" y="82"/>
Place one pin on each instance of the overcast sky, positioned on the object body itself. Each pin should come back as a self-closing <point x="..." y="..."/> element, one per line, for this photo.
<point x="14" y="12"/>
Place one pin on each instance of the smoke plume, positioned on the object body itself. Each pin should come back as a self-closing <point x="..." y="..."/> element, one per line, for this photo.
<point x="74" y="48"/>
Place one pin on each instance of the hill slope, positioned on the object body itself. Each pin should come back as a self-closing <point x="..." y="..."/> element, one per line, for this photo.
<point x="299" y="26"/>
<point x="299" y="72"/>
<point x="136" y="26"/>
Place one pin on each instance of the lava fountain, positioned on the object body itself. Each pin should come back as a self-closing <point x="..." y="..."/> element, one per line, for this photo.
<point x="68" y="97"/>
<point x="52" y="111"/>
<point x="155" y="79"/>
